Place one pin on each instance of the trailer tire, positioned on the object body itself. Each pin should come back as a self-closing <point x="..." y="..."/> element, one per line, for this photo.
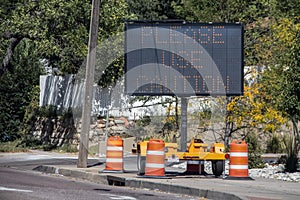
<point x="217" y="167"/>
<point x="141" y="164"/>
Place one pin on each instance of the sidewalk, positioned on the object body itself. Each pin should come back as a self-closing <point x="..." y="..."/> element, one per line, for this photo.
<point x="201" y="186"/>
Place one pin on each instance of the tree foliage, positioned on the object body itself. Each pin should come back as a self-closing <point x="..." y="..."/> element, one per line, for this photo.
<point x="15" y="89"/>
<point x="45" y="34"/>
<point x="153" y="9"/>
<point x="58" y="29"/>
<point x="283" y="73"/>
<point x="253" y="111"/>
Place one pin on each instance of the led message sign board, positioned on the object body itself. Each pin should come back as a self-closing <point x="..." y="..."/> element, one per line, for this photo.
<point x="183" y="59"/>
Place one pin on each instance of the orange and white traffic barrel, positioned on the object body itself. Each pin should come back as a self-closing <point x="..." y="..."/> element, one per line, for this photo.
<point x="114" y="154"/>
<point x="155" y="158"/>
<point x="238" y="162"/>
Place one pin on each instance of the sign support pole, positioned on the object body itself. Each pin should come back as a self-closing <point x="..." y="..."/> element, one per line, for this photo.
<point x="183" y="140"/>
<point x="106" y="124"/>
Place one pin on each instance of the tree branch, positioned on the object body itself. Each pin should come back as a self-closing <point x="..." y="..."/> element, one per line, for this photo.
<point x="236" y="129"/>
<point x="14" y="40"/>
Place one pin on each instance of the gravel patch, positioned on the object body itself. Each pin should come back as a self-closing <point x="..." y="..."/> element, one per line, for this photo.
<point x="275" y="172"/>
<point x="270" y="171"/>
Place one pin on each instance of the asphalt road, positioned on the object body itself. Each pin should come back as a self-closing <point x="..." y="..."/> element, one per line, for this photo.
<point x="19" y="182"/>
<point x="26" y="185"/>
<point x="33" y="159"/>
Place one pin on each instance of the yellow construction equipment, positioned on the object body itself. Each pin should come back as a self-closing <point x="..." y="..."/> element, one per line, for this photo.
<point x="196" y="151"/>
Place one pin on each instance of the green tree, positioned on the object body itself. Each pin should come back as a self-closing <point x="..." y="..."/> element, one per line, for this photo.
<point x="225" y="10"/>
<point x="153" y="9"/>
<point x="282" y="79"/>
<point x="288" y="8"/>
<point x="15" y="89"/>
<point x="32" y="34"/>
<point x="45" y="33"/>
<point x="113" y="14"/>
<point x="58" y="29"/>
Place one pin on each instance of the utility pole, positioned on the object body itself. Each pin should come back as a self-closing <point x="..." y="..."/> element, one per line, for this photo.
<point x="88" y="87"/>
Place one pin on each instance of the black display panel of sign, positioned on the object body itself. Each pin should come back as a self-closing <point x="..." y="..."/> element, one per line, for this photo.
<point x="183" y="59"/>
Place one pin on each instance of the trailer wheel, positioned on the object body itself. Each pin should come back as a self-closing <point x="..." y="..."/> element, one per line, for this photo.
<point x="217" y="167"/>
<point x="141" y="164"/>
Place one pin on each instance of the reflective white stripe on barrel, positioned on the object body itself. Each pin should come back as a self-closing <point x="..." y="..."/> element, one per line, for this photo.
<point x="153" y="165"/>
<point x="114" y="160"/>
<point x="238" y="166"/>
<point x="157" y="153"/>
<point x="112" y="148"/>
<point x="238" y="154"/>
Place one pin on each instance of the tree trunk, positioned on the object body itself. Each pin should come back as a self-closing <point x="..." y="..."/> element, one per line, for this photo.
<point x="293" y="147"/>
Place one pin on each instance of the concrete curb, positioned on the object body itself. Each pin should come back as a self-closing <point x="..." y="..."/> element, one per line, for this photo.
<point x="136" y="183"/>
<point x="95" y="178"/>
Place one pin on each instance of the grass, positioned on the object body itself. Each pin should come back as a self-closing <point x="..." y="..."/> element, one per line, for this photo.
<point x="67" y="148"/>
<point x="93" y="150"/>
<point x="12" y="147"/>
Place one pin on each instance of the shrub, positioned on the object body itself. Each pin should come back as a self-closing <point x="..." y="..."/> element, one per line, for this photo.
<point x="292" y="153"/>
<point x="275" y="144"/>
<point x="254" y="151"/>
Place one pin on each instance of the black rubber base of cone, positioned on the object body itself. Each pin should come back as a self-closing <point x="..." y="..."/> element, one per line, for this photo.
<point x="238" y="178"/>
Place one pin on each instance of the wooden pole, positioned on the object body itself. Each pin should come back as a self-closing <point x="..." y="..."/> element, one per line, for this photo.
<point x="89" y="82"/>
